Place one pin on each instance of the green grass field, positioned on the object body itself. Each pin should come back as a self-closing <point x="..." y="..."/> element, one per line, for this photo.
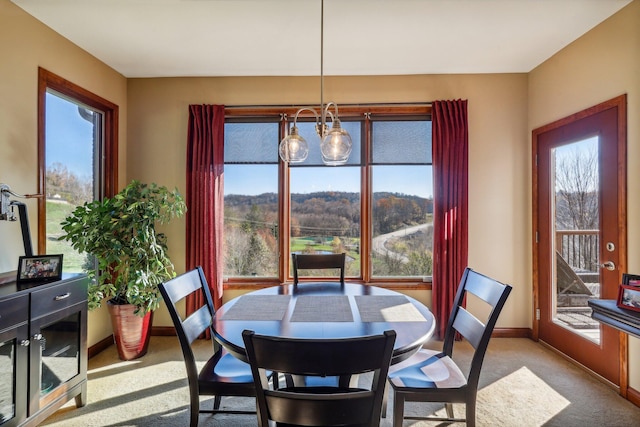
<point x="57" y="211"/>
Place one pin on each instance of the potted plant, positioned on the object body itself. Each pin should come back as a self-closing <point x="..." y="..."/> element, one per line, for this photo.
<point x="131" y="256"/>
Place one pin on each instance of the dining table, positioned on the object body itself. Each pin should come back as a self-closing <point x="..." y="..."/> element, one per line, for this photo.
<point x="323" y="310"/>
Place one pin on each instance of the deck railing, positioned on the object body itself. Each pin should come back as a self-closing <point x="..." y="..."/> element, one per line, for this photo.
<point x="579" y="248"/>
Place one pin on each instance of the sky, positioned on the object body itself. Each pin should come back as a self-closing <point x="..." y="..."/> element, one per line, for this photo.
<point x="238" y="180"/>
<point x="69" y="137"/>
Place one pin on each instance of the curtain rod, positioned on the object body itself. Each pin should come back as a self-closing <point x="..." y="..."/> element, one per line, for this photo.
<point x="373" y="104"/>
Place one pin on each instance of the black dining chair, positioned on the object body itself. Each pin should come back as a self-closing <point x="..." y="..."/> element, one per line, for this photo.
<point x="223" y="374"/>
<point x="432" y="376"/>
<point x="318" y="262"/>
<point x="344" y="404"/>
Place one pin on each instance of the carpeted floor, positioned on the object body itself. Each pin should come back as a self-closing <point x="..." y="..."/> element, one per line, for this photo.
<point x="523" y="384"/>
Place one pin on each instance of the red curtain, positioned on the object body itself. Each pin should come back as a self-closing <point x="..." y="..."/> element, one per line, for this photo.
<point x="450" y="182"/>
<point x="205" y="197"/>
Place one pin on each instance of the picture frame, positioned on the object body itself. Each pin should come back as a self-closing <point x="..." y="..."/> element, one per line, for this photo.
<point x="631" y="279"/>
<point x="44" y="268"/>
<point x="629" y="297"/>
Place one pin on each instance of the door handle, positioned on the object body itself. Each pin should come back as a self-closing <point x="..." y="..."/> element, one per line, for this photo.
<point x="609" y="265"/>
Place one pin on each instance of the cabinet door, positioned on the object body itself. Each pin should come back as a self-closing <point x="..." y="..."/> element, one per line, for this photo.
<point x="58" y="360"/>
<point x="14" y="359"/>
<point x="58" y="331"/>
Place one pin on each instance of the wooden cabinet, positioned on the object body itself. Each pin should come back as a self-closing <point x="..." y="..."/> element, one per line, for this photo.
<point x="43" y="346"/>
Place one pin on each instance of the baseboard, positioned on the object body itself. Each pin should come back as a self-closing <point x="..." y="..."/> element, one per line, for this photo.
<point x="512" y="333"/>
<point x="633" y="396"/>
<point x="100" y="346"/>
<point x="160" y="331"/>
<point x="169" y="331"/>
<point x="163" y="331"/>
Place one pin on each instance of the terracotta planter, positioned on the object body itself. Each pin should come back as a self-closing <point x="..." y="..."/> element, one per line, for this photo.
<point x="131" y="332"/>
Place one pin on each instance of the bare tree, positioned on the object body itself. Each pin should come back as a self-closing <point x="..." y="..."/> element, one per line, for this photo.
<point x="576" y="205"/>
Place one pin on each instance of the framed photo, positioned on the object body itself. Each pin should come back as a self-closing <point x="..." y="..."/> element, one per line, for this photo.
<point x="629" y="297"/>
<point x="40" y="268"/>
<point x="631" y="279"/>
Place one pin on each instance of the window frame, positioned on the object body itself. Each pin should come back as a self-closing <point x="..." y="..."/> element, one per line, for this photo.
<point x="285" y="116"/>
<point x="108" y="168"/>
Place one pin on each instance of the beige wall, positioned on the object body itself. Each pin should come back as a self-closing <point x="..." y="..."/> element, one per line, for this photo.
<point x="499" y="214"/>
<point x="599" y="66"/>
<point x="25" y="45"/>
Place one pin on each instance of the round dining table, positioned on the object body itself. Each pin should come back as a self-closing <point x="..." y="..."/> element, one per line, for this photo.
<point x="322" y="310"/>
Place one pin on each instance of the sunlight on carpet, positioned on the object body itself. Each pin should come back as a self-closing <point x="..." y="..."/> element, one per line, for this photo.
<point x="519" y="399"/>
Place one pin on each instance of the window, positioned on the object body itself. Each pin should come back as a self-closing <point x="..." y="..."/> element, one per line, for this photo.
<point x="402" y="191"/>
<point x="251" y="199"/>
<point x="378" y="208"/>
<point x="77" y="157"/>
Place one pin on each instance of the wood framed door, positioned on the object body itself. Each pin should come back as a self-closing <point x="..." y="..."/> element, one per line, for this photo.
<point x="579" y="178"/>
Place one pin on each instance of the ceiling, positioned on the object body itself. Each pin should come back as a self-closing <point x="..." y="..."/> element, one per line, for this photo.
<point x="167" y="38"/>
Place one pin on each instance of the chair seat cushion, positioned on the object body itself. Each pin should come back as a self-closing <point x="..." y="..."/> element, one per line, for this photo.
<point x="426" y="369"/>
<point x="226" y="369"/>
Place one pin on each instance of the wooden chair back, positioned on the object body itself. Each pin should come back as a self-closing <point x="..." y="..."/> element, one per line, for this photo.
<point x="222" y="374"/>
<point x="475" y="331"/>
<point x="341" y="405"/>
<point x="318" y="262"/>
<point x="432" y="376"/>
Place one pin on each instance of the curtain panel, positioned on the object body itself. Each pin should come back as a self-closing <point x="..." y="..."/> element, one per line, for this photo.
<point x="450" y="182"/>
<point x="205" y="198"/>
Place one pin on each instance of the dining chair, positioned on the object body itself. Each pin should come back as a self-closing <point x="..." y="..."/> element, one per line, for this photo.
<point x="341" y="405"/>
<point x="432" y="376"/>
<point x="222" y="374"/>
<point x="318" y="262"/>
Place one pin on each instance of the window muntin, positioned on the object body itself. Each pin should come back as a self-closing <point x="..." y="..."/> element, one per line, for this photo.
<point x="391" y="156"/>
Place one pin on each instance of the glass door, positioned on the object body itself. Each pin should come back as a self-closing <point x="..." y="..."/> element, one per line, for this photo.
<point x="575" y="214"/>
<point x="580" y="230"/>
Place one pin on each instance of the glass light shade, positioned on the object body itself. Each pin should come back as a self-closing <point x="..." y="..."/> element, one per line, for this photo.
<point x="293" y="148"/>
<point x="336" y="145"/>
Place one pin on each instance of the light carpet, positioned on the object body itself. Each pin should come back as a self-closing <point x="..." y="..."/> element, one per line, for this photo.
<point x="523" y="384"/>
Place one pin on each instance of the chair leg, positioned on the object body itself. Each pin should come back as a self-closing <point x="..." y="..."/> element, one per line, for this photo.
<point x="385" y="399"/>
<point x="398" y="409"/>
<point x="216" y="402"/>
<point x="471" y="412"/>
<point x="449" y="407"/>
<point x="194" y="411"/>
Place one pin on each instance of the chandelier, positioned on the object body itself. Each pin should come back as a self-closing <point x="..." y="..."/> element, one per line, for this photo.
<point x="335" y="143"/>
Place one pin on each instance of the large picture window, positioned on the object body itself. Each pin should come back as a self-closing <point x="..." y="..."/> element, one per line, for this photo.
<point x="377" y="208"/>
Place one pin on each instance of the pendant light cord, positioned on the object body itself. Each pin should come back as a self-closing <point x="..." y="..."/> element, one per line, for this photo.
<point x="322" y="112"/>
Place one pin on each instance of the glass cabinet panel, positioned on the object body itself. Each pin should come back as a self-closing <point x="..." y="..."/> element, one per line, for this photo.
<point x="7" y="380"/>
<point x="60" y="350"/>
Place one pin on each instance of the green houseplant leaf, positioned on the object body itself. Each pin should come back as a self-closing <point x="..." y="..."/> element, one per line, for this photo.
<point x="120" y="232"/>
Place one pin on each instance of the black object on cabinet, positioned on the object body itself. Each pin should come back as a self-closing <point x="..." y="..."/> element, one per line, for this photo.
<point x="43" y="347"/>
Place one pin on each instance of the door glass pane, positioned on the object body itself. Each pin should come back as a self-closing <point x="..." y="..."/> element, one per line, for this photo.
<point x="73" y="136"/>
<point x="576" y="227"/>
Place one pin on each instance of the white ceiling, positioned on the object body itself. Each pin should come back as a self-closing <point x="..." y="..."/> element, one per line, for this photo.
<point x="161" y="38"/>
